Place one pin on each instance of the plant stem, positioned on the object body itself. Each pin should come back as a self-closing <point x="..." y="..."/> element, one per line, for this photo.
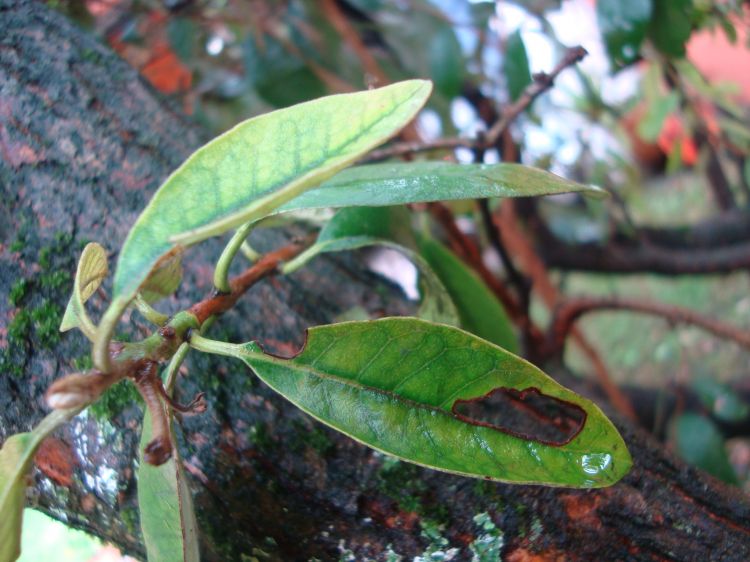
<point x="221" y="273"/>
<point x="268" y="264"/>
<point x="215" y="347"/>
<point x="250" y="253"/>
<point x="149" y="312"/>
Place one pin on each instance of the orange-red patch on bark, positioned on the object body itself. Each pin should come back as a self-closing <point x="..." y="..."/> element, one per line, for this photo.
<point x="166" y="73"/>
<point x="523" y="555"/>
<point x="56" y="460"/>
<point x="582" y="508"/>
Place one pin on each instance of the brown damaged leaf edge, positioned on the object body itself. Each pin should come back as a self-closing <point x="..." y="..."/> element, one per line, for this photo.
<point x="520" y="396"/>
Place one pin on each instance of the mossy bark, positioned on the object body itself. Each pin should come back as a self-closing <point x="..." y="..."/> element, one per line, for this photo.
<point x="83" y="143"/>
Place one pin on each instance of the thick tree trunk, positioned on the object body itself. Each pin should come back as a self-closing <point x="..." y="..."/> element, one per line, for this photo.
<point x="83" y="143"/>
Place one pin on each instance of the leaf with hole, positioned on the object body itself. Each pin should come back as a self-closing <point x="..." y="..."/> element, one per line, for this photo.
<point x="170" y="530"/>
<point x="92" y="270"/>
<point x="479" y="310"/>
<point x="16" y="458"/>
<point x="399" y="183"/>
<point x="399" y="386"/>
<point x="358" y="227"/>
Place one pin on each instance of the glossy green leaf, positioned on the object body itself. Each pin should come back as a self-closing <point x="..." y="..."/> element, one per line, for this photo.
<point x="358" y="227"/>
<point x="393" y="384"/>
<point x="16" y="458"/>
<point x="399" y="183"/>
<point x="623" y="25"/>
<point x="479" y="310"/>
<point x="516" y="66"/>
<point x="671" y="26"/>
<point x="92" y="270"/>
<point x="701" y="443"/>
<point x="168" y="523"/>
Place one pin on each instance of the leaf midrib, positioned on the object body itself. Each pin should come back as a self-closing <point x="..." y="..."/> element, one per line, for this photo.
<point x="304" y="368"/>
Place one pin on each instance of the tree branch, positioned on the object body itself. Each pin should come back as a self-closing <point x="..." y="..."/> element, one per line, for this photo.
<point x="571" y="310"/>
<point x="541" y="83"/>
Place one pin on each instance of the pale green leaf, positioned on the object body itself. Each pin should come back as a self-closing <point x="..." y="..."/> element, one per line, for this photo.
<point x="16" y="458"/>
<point x="168" y="523"/>
<point x="259" y="165"/>
<point x="479" y="310"/>
<point x="358" y="227"/>
<point x="92" y="270"/>
<point x="394" y="384"/>
<point x="399" y="183"/>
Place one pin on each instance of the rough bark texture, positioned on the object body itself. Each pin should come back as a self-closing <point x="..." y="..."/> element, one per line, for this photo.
<point x="83" y="143"/>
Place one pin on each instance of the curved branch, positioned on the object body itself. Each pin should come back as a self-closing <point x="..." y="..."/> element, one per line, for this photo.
<point x="571" y="310"/>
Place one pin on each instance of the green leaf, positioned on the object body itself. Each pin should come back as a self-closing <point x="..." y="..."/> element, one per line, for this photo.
<point x="394" y="384"/>
<point x="701" y="443"/>
<point x="658" y="110"/>
<point x="723" y="402"/>
<point x="671" y="26"/>
<point x="357" y="227"/>
<point x="16" y="458"/>
<point x="623" y="25"/>
<point x="397" y="183"/>
<point x="92" y="270"/>
<point x="259" y="165"/>
<point x="184" y="37"/>
<point x="479" y="310"/>
<point x="516" y="66"/>
<point x="168" y="523"/>
<point x="278" y="76"/>
<point x="446" y="62"/>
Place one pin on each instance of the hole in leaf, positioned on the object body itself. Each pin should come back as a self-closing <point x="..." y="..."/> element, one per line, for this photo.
<point x="527" y="414"/>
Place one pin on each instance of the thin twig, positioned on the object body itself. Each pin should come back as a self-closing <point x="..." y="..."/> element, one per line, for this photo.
<point x="347" y="32"/>
<point x="542" y="82"/>
<point x="407" y="148"/>
<point x="517" y="279"/>
<point x="571" y="310"/>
